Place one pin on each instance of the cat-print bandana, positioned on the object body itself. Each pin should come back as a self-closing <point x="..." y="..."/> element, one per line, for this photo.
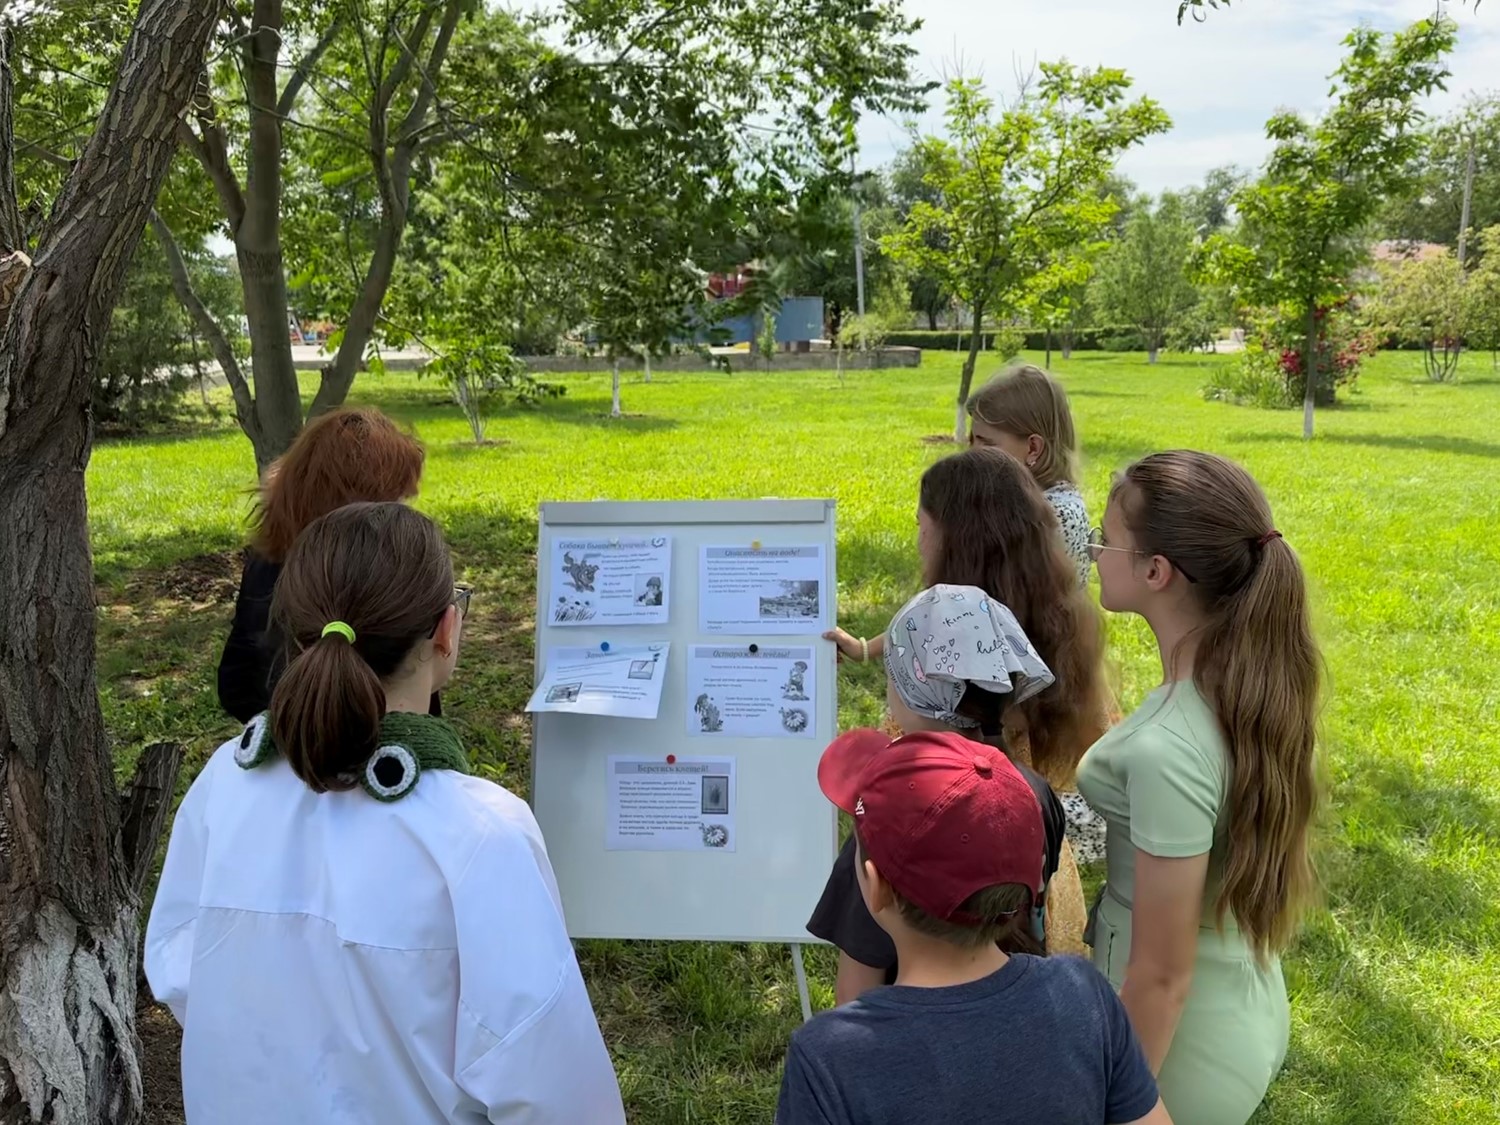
<point x="948" y="637"/>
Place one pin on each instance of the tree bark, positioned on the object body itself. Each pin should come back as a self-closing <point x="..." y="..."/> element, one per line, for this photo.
<point x="1310" y="370"/>
<point x="68" y="914"/>
<point x="144" y="806"/>
<point x="1048" y="363"/>
<point x="614" y="405"/>
<point x="646" y="362"/>
<point x="966" y="378"/>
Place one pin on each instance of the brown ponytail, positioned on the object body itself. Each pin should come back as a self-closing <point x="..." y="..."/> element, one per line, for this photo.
<point x="382" y="569"/>
<point x="1257" y="665"/>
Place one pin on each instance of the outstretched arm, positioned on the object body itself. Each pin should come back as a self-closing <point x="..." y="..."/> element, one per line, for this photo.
<point x="854" y="648"/>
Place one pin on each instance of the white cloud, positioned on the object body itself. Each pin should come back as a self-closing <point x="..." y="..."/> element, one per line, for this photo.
<point x="1219" y="79"/>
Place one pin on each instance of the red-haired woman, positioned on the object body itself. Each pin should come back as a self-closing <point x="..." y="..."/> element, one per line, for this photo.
<point x="345" y="456"/>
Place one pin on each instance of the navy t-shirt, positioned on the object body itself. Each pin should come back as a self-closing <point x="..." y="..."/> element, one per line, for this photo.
<point x="1042" y="1039"/>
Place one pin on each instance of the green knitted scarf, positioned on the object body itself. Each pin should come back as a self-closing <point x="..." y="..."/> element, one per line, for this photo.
<point x="409" y="744"/>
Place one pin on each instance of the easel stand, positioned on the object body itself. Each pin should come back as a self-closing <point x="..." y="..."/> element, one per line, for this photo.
<point x="786" y="832"/>
<point x="801" y="974"/>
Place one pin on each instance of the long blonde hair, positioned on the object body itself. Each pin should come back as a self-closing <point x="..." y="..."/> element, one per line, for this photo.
<point x="1025" y="400"/>
<point x="1257" y="666"/>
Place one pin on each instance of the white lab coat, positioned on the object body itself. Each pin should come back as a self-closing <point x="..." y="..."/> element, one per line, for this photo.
<point x="336" y="960"/>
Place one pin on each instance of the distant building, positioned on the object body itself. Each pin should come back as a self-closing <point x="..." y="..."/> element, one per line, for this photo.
<point x="798" y="320"/>
<point x="1400" y="250"/>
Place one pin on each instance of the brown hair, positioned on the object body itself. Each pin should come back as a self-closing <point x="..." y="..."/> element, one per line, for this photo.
<point x="345" y="456"/>
<point x="998" y="532"/>
<point x="382" y="569"/>
<point x="1004" y="911"/>
<point x="1025" y="400"/>
<point x="1257" y="666"/>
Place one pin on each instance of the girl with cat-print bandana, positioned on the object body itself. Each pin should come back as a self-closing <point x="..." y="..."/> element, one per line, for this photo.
<point x="955" y="660"/>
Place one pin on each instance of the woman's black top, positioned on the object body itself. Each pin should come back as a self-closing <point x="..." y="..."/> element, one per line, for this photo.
<point x="842" y="918"/>
<point x="253" y="655"/>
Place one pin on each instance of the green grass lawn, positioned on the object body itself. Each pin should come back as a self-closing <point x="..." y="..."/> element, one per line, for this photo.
<point x="1395" y="986"/>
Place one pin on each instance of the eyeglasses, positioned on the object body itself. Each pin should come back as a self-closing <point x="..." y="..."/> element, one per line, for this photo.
<point x="1097" y="546"/>
<point x="461" y="596"/>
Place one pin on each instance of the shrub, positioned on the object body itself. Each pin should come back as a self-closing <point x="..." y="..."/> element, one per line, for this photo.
<point x="1252" y="378"/>
<point x="1123" y="340"/>
<point x="1035" y="339"/>
<point x="481" y="373"/>
<point x="1197" y="331"/>
<point x="1270" y="372"/>
<point x="864" y="333"/>
<point x="1008" y="342"/>
<point x="765" y="339"/>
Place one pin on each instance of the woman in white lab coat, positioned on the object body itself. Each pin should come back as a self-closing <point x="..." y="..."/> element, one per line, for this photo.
<point x="349" y="927"/>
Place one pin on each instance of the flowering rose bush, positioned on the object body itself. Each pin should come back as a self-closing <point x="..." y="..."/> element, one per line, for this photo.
<point x="1271" y="372"/>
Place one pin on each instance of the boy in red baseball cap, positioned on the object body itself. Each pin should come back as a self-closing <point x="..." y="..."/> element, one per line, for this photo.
<point x="950" y="841"/>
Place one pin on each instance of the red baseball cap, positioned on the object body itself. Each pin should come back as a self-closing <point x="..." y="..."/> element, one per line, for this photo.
<point x="941" y="816"/>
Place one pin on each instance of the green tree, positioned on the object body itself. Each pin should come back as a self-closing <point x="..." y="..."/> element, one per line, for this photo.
<point x="1014" y="193"/>
<point x="1484" y="281"/>
<point x="814" y="255"/>
<point x="69" y="893"/>
<point x="909" y="186"/>
<point x="1143" y="277"/>
<point x="1303" y="223"/>
<point x="1209" y="206"/>
<point x="1426" y="302"/>
<point x="151" y="354"/>
<point x="1431" y="210"/>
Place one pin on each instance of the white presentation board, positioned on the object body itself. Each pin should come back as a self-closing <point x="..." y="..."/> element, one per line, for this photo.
<point x="753" y="866"/>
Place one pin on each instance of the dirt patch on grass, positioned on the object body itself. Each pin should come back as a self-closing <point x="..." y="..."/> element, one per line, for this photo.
<point x="202" y="580"/>
<point x="939" y="439"/>
<point x="161" y="1068"/>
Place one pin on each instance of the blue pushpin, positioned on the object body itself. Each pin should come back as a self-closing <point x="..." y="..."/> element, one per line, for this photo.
<point x="603" y="646"/>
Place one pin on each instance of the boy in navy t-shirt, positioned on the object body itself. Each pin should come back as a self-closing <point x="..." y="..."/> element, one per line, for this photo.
<point x="950" y="845"/>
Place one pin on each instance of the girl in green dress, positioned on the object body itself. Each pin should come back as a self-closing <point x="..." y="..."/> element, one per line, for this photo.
<point x="1209" y="788"/>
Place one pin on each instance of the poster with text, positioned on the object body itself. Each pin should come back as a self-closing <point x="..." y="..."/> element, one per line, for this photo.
<point x="624" y="681"/>
<point x="763" y="590"/>
<point x="611" y="581"/>
<point x="670" y="804"/>
<point x="751" y="691"/>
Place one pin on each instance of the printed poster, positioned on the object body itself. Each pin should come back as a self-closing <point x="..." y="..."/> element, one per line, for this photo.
<point x="668" y="803"/>
<point x="751" y="691"/>
<point x="624" y="681"/>
<point x="611" y="581"/>
<point x="763" y="590"/>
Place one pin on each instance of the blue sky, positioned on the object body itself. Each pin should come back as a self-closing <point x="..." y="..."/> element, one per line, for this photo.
<point x="1219" y="79"/>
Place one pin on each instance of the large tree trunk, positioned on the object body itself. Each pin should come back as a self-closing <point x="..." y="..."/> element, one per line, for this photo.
<point x="254" y="217"/>
<point x="966" y="379"/>
<point x="1310" y="369"/>
<point x="614" y="393"/>
<point x="257" y="245"/>
<point x="393" y="176"/>
<point x="68" y="913"/>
